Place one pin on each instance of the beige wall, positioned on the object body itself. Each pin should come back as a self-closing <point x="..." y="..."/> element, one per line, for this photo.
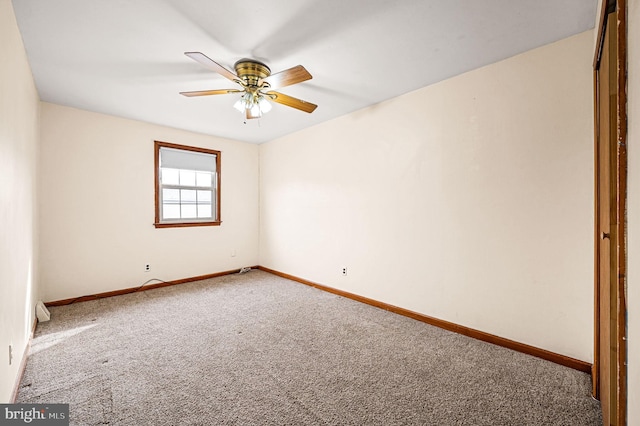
<point x="97" y="206"/>
<point x="633" y="213"/>
<point x="469" y="200"/>
<point x="18" y="231"/>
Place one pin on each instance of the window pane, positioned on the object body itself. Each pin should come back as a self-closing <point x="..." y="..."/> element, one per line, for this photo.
<point x="188" y="196"/>
<point x="170" y="177"/>
<point x="171" y="211"/>
<point x="187" y="178"/>
<point x="188" y="211"/>
<point x="204" y="210"/>
<point x="204" y="196"/>
<point x="203" y="179"/>
<point x="170" y="195"/>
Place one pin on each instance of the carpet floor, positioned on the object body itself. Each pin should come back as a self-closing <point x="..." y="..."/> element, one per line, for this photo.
<point x="256" y="349"/>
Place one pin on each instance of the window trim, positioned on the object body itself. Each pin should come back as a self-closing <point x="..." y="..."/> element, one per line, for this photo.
<point x="156" y="173"/>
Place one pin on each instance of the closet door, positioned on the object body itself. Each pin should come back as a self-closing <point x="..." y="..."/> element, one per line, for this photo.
<point x="609" y="375"/>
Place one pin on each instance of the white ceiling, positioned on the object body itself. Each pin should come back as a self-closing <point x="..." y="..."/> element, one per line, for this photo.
<point x="126" y="58"/>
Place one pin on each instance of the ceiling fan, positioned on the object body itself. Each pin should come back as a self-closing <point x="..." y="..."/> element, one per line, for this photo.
<point x="257" y="83"/>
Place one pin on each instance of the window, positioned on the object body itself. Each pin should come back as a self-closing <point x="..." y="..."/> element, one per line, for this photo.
<point x="187" y="186"/>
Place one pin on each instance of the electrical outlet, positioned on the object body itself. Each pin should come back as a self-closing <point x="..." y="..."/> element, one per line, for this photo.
<point x="147" y="267"/>
<point x="10" y="354"/>
<point x="344" y="270"/>
<point x="233" y="252"/>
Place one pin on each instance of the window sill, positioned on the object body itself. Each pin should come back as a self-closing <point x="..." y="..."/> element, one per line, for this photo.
<point x="185" y="224"/>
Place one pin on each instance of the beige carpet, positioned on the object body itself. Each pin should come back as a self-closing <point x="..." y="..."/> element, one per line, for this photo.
<point x="258" y="349"/>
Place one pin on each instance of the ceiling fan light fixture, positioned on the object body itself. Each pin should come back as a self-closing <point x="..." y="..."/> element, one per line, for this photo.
<point x="240" y="105"/>
<point x="265" y="105"/>
<point x="255" y="111"/>
<point x="245" y="102"/>
<point x="252" y="105"/>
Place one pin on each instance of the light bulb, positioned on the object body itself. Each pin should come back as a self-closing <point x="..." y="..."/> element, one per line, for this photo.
<point x="255" y="110"/>
<point x="265" y="105"/>
<point x="240" y="105"/>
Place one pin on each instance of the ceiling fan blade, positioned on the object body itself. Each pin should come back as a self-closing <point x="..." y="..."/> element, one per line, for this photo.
<point x="210" y="92"/>
<point x="288" y="77"/>
<point x="212" y="65"/>
<point x="292" y="102"/>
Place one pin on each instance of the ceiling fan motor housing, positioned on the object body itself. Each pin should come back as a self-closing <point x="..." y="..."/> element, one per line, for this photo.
<point x="251" y="71"/>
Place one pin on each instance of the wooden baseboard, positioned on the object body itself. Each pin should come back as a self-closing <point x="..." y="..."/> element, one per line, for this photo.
<point x="23" y="363"/>
<point x="140" y="288"/>
<point x="470" y="332"/>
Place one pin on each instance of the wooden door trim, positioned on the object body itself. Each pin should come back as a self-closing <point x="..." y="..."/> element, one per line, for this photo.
<point x="596" y="250"/>
<point x="602" y="25"/>
<point x="621" y="211"/>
